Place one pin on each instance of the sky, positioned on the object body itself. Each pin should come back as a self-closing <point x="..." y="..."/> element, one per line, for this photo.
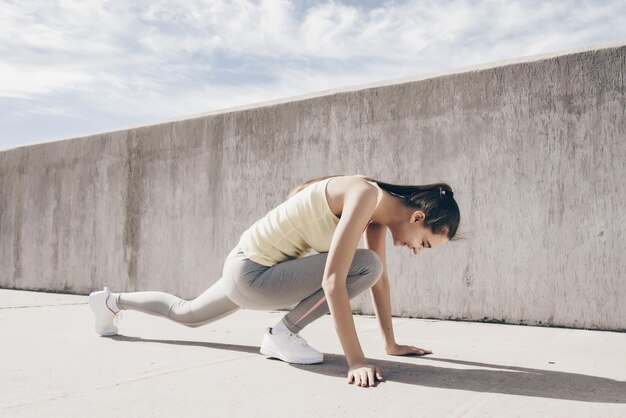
<point x="72" y="68"/>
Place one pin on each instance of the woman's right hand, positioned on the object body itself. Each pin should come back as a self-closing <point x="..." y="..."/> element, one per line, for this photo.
<point x="363" y="374"/>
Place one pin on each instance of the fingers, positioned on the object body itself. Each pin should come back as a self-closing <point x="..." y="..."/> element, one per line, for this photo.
<point x="356" y="377"/>
<point x="365" y="377"/>
<point x="421" y="350"/>
<point x="353" y="377"/>
<point x="361" y="378"/>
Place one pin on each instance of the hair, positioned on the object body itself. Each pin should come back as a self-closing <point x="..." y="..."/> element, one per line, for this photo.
<point x="435" y="200"/>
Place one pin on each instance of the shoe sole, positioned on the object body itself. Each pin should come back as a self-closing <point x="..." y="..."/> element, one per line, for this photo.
<point x="271" y="353"/>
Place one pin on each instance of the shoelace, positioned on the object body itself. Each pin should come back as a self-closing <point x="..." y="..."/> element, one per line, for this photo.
<point x="117" y="317"/>
<point x="298" y="339"/>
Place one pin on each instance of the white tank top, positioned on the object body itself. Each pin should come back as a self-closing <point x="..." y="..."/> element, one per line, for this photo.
<point x="302" y="222"/>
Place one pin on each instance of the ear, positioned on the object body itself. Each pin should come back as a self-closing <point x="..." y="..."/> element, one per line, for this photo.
<point x="417" y="216"/>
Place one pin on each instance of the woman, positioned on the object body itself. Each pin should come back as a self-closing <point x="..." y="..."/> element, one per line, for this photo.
<point x="267" y="270"/>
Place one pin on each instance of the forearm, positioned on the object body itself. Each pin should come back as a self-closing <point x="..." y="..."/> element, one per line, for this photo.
<point x="339" y="305"/>
<point x="381" y="298"/>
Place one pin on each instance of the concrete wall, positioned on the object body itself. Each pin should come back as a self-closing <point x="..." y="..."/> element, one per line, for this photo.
<point x="534" y="148"/>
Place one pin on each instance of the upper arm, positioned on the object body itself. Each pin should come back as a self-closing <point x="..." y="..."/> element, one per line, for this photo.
<point x="358" y="206"/>
<point x="376" y="240"/>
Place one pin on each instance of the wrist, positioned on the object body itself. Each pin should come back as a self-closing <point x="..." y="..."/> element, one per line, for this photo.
<point x="356" y="362"/>
<point x="390" y="345"/>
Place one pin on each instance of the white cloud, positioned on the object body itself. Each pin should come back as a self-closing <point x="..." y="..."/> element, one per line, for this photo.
<point x="112" y="63"/>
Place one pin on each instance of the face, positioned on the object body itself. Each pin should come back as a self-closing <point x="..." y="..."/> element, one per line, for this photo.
<point x="414" y="235"/>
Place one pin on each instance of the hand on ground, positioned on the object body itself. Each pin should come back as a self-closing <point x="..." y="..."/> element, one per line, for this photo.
<point x="399" y="349"/>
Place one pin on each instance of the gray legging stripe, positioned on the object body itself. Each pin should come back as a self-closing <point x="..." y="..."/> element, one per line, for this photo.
<point x="247" y="284"/>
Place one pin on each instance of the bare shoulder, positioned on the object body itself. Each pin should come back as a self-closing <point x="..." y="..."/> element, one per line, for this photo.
<point x="336" y="190"/>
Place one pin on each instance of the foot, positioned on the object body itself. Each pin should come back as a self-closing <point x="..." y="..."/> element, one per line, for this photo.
<point x="106" y="318"/>
<point x="290" y="348"/>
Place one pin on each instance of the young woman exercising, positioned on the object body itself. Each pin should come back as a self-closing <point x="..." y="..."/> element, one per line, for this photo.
<point x="267" y="268"/>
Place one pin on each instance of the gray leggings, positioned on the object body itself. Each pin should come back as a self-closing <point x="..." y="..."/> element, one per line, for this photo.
<point x="247" y="284"/>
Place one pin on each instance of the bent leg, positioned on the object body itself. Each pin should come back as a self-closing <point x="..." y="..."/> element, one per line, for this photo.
<point x="365" y="271"/>
<point x="211" y="305"/>
<point x="299" y="281"/>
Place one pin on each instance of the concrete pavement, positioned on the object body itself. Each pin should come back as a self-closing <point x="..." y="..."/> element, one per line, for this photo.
<point x="53" y="364"/>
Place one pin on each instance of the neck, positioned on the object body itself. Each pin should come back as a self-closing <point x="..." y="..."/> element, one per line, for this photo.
<point x="391" y="210"/>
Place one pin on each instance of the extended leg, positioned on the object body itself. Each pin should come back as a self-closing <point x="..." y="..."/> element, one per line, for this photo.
<point x="211" y="305"/>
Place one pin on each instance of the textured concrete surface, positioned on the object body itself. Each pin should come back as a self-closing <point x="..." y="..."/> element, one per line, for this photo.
<point x="534" y="149"/>
<point x="53" y="364"/>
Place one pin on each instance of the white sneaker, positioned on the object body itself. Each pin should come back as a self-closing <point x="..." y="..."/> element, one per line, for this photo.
<point x="106" y="319"/>
<point x="289" y="347"/>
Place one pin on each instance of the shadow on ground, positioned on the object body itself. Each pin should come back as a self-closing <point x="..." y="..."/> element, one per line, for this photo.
<point x="507" y="380"/>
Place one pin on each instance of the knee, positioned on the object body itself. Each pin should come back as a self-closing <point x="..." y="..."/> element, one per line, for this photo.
<point x="180" y="311"/>
<point x="372" y="262"/>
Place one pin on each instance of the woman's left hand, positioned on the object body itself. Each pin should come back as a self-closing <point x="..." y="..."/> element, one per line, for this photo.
<point x="398" y="350"/>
